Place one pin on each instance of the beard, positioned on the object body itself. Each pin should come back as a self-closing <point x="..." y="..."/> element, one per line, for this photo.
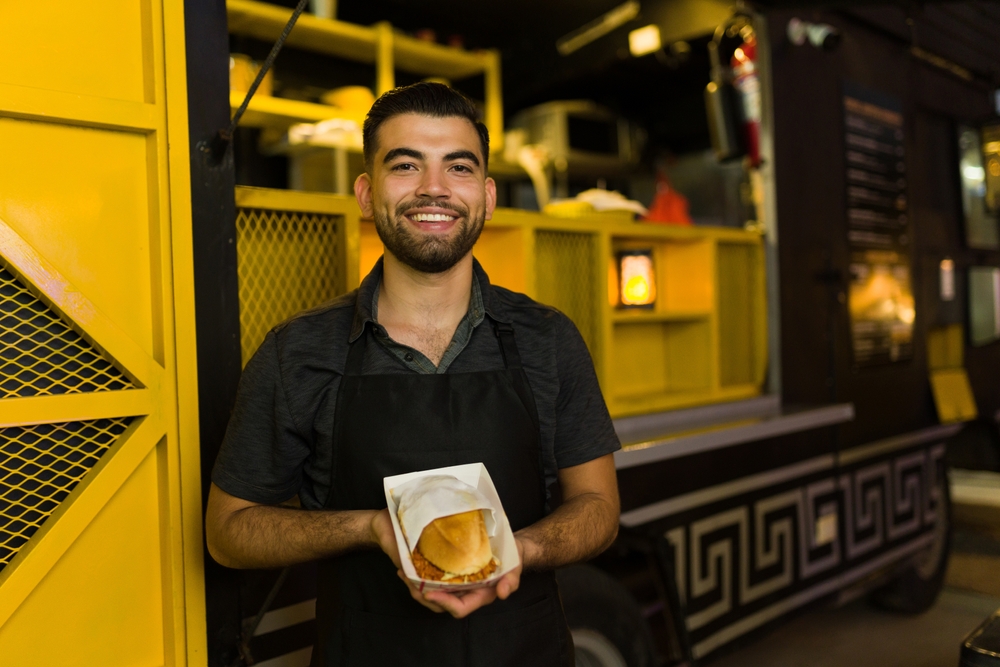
<point x="428" y="253"/>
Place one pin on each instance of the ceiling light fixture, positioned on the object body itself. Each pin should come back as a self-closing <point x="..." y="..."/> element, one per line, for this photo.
<point x="644" y="40"/>
<point x="597" y="28"/>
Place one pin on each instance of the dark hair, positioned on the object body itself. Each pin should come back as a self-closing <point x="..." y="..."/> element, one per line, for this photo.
<point x="427" y="99"/>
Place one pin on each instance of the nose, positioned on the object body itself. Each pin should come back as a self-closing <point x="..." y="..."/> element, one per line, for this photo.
<point x="433" y="184"/>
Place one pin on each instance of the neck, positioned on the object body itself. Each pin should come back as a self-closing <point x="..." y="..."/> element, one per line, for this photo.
<point x="415" y="300"/>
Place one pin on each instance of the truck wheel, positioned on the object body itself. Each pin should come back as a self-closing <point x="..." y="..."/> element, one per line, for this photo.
<point x="606" y="622"/>
<point x="916" y="588"/>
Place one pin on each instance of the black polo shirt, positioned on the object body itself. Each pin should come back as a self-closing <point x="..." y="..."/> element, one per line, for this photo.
<point x="279" y="440"/>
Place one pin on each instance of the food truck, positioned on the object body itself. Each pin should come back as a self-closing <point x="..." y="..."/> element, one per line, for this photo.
<point x="784" y="386"/>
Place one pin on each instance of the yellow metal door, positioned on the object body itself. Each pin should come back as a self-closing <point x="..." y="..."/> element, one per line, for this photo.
<point x="100" y="532"/>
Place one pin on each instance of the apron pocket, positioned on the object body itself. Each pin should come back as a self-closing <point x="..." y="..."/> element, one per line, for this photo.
<point x="529" y="636"/>
<point x="377" y="640"/>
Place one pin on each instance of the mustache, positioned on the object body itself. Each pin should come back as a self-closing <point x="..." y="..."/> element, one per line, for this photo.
<point x="403" y="207"/>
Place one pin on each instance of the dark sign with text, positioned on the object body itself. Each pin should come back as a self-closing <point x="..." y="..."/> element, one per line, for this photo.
<point x="880" y="299"/>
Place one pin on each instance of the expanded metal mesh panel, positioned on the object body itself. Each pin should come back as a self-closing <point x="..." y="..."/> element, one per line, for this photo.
<point x="287" y="262"/>
<point x="738" y="310"/>
<point x="564" y="278"/>
<point x="41" y="355"/>
<point x="39" y="466"/>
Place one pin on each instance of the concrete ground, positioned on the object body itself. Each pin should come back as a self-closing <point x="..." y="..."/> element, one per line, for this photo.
<point x="860" y="635"/>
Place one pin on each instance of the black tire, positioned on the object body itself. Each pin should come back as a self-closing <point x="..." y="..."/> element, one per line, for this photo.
<point x="606" y="622"/>
<point x="915" y="589"/>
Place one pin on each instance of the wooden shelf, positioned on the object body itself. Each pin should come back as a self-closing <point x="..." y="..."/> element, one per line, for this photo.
<point x="353" y="42"/>
<point x="419" y="57"/>
<point x="639" y="315"/>
<point x="276" y="112"/>
<point x="377" y="45"/>
<point x="265" y="21"/>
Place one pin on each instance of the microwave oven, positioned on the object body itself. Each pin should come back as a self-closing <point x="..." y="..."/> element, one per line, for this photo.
<point x="581" y="136"/>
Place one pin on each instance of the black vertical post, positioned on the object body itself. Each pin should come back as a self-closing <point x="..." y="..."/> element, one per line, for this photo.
<point x="216" y="289"/>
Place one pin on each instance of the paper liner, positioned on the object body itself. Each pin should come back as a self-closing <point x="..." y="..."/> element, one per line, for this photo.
<point x="420" y="501"/>
<point x="501" y="539"/>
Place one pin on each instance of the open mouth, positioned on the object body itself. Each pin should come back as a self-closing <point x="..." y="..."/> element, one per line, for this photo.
<point x="432" y="217"/>
<point x="433" y="220"/>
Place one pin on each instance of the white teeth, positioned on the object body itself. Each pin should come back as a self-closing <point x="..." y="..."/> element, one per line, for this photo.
<point x="432" y="217"/>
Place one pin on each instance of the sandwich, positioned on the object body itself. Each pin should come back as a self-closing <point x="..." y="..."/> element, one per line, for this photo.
<point x="455" y="549"/>
<point x="446" y="527"/>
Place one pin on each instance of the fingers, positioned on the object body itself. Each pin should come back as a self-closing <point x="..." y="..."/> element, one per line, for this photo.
<point x="458" y="603"/>
<point x="417" y="595"/>
<point x="512" y="580"/>
<point x="508" y="583"/>
<point x="462" y="605"/>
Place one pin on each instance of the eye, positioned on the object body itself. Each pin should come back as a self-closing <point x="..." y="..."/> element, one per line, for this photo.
<point x="404" y="166"/>
<point x="462" y="168"/>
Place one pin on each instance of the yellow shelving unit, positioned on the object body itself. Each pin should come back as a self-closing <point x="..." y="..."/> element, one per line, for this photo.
<point x="378" y="45"/>
<point x="633" y="316"/>
<point x="275" y="112"/>
<point x="705" y="339"/>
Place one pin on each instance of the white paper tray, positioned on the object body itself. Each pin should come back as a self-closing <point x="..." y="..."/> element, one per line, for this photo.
<point x="503" y="545"/>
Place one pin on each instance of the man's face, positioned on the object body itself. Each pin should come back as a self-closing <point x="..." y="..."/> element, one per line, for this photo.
<point x="428" y="191"/>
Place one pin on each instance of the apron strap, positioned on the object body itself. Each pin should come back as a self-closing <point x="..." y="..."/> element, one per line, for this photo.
<point x="508" y="348"/>
<point x="512" y="362"/>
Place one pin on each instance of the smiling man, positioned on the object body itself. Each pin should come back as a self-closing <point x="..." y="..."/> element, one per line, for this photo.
<point x="425" y="365"/>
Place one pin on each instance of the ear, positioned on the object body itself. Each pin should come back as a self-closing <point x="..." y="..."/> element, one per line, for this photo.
<point x="363" y="193"/>
<point x="491" y="197"/>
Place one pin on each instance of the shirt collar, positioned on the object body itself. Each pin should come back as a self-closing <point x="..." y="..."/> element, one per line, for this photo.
<point x="484" y="299"/>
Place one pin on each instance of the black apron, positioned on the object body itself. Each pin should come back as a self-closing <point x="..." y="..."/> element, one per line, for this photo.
<point x="393" y="424"/>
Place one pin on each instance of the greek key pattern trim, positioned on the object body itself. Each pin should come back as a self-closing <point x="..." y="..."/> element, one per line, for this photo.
<point x="727" y="561"/>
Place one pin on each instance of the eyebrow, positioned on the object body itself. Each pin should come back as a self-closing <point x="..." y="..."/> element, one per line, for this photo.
<point x="462" y="155"/>
<point x="398" y="152"/>
<point x="417" y="155"/>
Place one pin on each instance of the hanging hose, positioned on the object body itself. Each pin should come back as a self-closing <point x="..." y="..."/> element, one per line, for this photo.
<point x="220" y="142"/>
<point x="250" y="625"/>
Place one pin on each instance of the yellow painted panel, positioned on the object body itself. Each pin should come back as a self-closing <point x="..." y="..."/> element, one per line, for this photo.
<point x="639" y="364"/>
<point x="80" y="197"/>
<point x="738" y="313"/>
<point x="687" y="279"/>
<point x="501" y="252"/>
<point x="945" y="347"/>
<point x="953" y="395"/>
<point x="371" y="248"/>
<point x="103" y="599"/>
<point x="89" y="48"/>
<point x="659" y="357"/>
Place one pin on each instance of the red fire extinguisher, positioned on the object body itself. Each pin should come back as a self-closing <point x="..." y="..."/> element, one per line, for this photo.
<point x="733" y="97"/>
<point x="747" y="85"/>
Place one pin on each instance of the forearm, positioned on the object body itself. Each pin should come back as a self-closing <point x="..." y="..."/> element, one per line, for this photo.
<point x="579" y="529"/>
<point x="263" y="536"/>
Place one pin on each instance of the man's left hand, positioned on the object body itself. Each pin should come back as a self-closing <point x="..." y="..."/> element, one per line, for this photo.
<point x="462" y="603"/>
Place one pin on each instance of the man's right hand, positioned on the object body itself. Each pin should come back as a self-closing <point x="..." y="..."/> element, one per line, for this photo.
<point x="384" y="536"/>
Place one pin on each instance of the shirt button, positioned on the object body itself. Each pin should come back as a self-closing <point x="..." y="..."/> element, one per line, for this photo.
<point x="408" y="357"/>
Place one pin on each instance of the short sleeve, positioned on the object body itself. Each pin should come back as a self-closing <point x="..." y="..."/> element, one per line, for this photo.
<point x="584" y="430"/>
<point x="263" y="452"/>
